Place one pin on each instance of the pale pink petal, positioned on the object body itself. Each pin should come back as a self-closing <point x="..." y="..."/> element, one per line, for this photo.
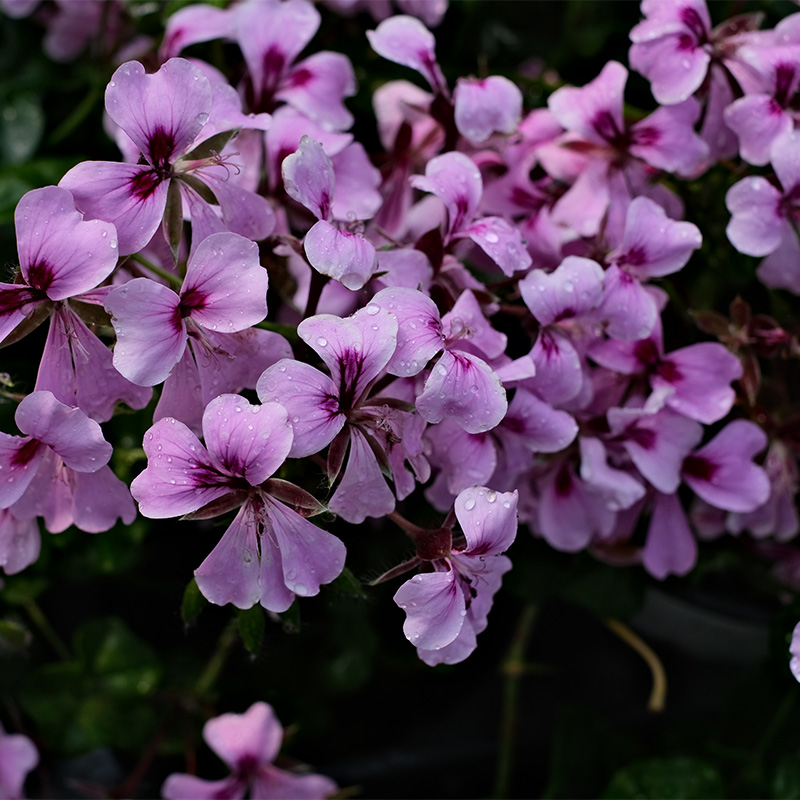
<point x="435" y="609"/>
<point x="757" y="225"/>
<point x="316" y="87"/>
<point x="193" y="24"/>
<point x="466" y="459"/>
<point x="59" y="253"/>
<point x="455" y="179"/>
<point x="628" y="309"/>
<point x="151" y="333"/>
<point x="230" y="572"/>
<point x="18" y="756"/>
<point x="253" y="737"/>
<point x="225" y="288"/>
<point x="181" y="395"/>
<point x="595" y="110"/>
<point x="312" y="399"/>
<point x="465" y="389"/>
<point x="405" y="40"/>
<point x="559" y="375"/>
<point x="419" y="329"/>
<point x="502" y="242"/>
<point x="189" y="787"/>
<point x="49" y="495"/>
<point x="488" y="520"/>
<point x="536" y="425"/>
<point x="243" y="212"/>
<point x="786" y="160"/>
<point x="758" y="121"/>
<point x="131" y="196"/>
<point x="572" y="290"/>
<point x="16" y="302"/>
<point x="465" y="321"/>
<point x="363" y="491"/>
<point x="485" y="106"/>
<point x="794" y="649"/>
<point x="100" y="499"/>
<point x="357" y="183"/>
<point x="671" y="548"/>
<point x="20" y="543"/>
<point x="309" y="178"/>
<point x="68" y="431"/>
<point x="345" y="257"/>
<point x="781" y="268"/>
<point x="179" y="477"/>
<point x="20" y="458"/>
<point x="248" y="441"/>
<point x="271" y="783"/>
<point x="162" y="113"/>
<point x="616" y="488"/>
<point x="310" y="556"/>
<point x="355" y="349"/>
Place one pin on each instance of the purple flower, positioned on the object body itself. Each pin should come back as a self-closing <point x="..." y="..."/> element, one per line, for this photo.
<point x="448" y="607"/>
<point x="58" y="470"/>
<point x="248" y="743"/>
<point x="18" y="756"/>
<point x="794" y="649"/>
<point x="164" y="114"/>
<point x="270" y="553"/>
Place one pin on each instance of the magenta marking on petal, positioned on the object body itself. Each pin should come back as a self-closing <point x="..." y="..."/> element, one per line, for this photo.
<point x="691" y="19"/>
<point x="161" y="146"/>
<point x="26" y="453"/>
<point x="644" y="437"/>
<point x="645" y="352"/>
<point x="784" y="75"/>
<point x="300" y="77"/>
<point x="669" y="372"/>
<point x="563" y="484"/>
<point x="40" y="275"/>
<point x="193" y="300"/>
<point x="699" y="468"/>
<point x="351" y="363"/>
<point x="143" y="184"/>
<point x="646" y="136"/>
<point x="603" y="122"/>
<point x="19" y="297"/>
<point x="635" y="257"/>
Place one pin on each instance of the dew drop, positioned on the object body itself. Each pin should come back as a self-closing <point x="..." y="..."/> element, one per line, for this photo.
<point x="322" y="341"/>
<point x="373" y="309"/>
<point x="469" y="504"/>
<point x="492" y="238"/>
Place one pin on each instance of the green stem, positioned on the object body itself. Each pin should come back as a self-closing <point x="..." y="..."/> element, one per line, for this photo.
<point x="513" y="669"/>
<point x="217" y="661"/>
<point x="39" y="619"/>
<point x="162" y="273"/>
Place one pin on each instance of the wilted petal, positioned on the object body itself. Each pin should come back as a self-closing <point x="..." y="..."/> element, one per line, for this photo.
<point x="485" y="106"/>
<point x="248" y="441"/>
<point x="230" y="572"/>
<point x="671" y="548"/>
<point x="59" y="253"/>
<point x="435" y="609"/>
<point x="465" y="389"/>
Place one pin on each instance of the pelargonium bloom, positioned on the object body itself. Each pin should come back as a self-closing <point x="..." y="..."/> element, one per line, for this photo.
<point x="164" y="114"/>
<point x="18" y="756"/>
<point x="447" y="608"/>
<point x="248" y="743"/>
<point x="270" y="553"/>
<point x="58" y="470"/>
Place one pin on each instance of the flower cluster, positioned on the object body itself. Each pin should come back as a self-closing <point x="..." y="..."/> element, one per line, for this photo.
<point x="479" y="322"/>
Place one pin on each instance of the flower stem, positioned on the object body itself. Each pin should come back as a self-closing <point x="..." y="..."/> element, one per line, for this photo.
<point x="513" y="668"/>
<point x="658" y="695"/>
<point x="39" y="619"/>
<point x="174" y="280"/>
<point x="218" y="658"/>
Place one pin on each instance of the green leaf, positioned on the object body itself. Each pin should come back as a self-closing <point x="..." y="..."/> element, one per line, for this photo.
<point x="250" y="622"/>
<point x="193" y="603"/>
<point x="116" y="658"/>
<point x="666" y="778"/>
<point x="13" y="635"/>
<point x="20" y="590"/>
<point x="348" y="584"/>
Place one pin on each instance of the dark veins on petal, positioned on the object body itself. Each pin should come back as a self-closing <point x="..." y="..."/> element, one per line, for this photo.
<point x="351" y="364"/>
<point x="699" y="467"/>
<point x="26" y="453"/>
<point x="161" y="146"/>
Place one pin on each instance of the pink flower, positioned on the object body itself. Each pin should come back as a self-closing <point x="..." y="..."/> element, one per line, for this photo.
<point x="248" y="744"/>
